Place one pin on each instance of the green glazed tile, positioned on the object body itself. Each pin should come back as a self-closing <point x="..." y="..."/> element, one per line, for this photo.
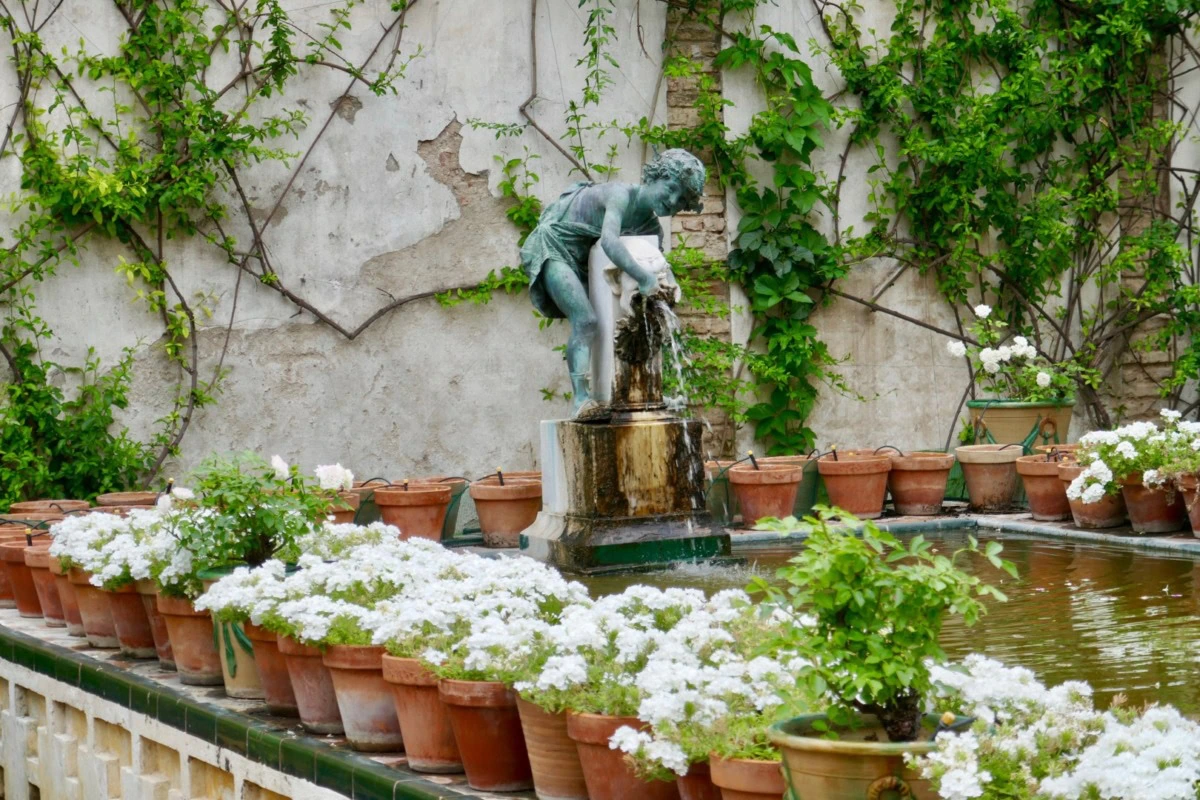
<point x="22" y="654"/>
<point x="45" y="662"/>
<point x="172" y="711"/>
<point x="232" y="733"/>
<point x="298" y="758"/>
<point x="90" y="678"/>
<point x="201" y="723"/>
<point x="263" y="747"/>
<point x="144" y="700"/>
<point x="410" y="787"/>
<point x="66" y="670"/>
<point x="334" y="771"/>
<point x="373" y="784"/>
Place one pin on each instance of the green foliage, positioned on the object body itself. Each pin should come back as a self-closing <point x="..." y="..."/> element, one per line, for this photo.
<point x="877" y="606"/>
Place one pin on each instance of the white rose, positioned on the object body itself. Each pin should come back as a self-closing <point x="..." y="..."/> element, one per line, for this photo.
<point x="1043" y="379"/>
<point x="1020" y="341"/>
<point x="1004" y="353"/>
<point x="282" y="471"/>
<point x="956" y="348"/>
<point x="991" y="367"/>
<point x="983" y="310"/>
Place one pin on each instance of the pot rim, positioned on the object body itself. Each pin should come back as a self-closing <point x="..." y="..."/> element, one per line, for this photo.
<point x="127" y="499"/>
<point x="922" y="461"/>
<point x="515" y="489"/>
<point x="14" y="551"/>
<point x="353" y="656"/>
<point x="989" y="453"/>
<point x="765" y="474"/>
<point x="417" y="494"/>
<point x="1038" y="465"/>
<point x="476" y="694"/>
<point x="1002" y="403"/>
<point x="781" y="736"/>
<point x="407" y="671"/>
<point x="854" y="462"/>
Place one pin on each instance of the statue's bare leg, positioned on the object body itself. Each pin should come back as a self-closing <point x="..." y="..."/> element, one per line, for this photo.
<point x="571" y="296"/>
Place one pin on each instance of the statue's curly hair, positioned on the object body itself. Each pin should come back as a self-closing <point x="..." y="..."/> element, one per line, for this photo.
<point x="682" y="165"/>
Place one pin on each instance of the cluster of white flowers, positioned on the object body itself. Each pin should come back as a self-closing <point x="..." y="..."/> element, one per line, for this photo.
<point x="1140" y="449"/>
<point x="993" y="357"/>
<point x="282" y="470"/>
<point x="115" y="549"/>
<point x="1092" y="483"/>
<point x="334" y="477"/>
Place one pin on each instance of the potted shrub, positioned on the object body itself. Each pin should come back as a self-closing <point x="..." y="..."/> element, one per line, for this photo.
<point x="1094" y="497"/>
<point x="765" y="490"/>
<point x="1182" y="465"/>
<point x="1031" y="397"/>
<point x="872" y="610"/>
<point x="856" y="480"/>
<point x="917" y="482"/>
<point x="990" y="472"/>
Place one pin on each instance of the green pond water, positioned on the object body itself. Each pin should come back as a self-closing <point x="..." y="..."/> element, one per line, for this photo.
<point x="1122" y="620"/>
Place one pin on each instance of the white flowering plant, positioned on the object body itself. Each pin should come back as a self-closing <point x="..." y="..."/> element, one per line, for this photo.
<point x="1140" y="451"/>
<point x="1009" y="367"/>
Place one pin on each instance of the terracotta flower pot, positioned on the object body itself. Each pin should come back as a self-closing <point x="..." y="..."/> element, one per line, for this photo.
<point x="856" y="481"/>
<point x="315" y="699"/>
<point x="747" y="779"/>
<point x="272" y="671"/>
<point x="95" y="608"/>
<point x="1046" y="493"/>
<point x="990" y="471"/>
<point x="487" y="730"/>
<point x="366" y="704"/>
<point x="697" y="784"/>
<point x="418" y="511"/>
<point x="424" y="719"/>
<point x="128" y="499"/>
<point x="557" y="773"/>
<point x="1157" y="509"/>
<point x="68" y="598"/>
<point x="192" y="642"/>
<point x="38" y="560"/>
<point x="505" y="511"/>
<point x="12" y="554"/>
<point x="1108" y="513"/>
<point x="131" y="623"/>
<point x="342" y="515"/>
<point x="766" y="491"/>
<point x="918" y="482"/>
<point x="147" y="590"/>
<point x="7" y="598"/>
<point x="606" y="771"/>
<point x="806" y="493"/>
<point x="1189" y="487"/>
<point x="58" y="507"/>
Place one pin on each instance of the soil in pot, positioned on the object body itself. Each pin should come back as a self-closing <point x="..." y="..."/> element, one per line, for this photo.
<point x="990" y="471"/>
<point x="37" y="558"/>
<point x="67" y="596"/>
<point x="364" y="700"/>
<point x="272" y="671"/>
<point x="131" y="624"/>
<point x="1109" y="512"/>
<point x="606" y="771"/>
<point x="312" y="685"/>
<point x="856" y="481"/>
<point x="1151" y="509"/>
<point x="557" y="773"/>
<point x="765" y="490"/>
<point x="747" y="779"/>
<point x="487" y="730"/>
<point x="1189" y="487"/>
<point x="12" y="553"/>
<point x="1047" y="495"/>
<point x="424" y="719"/>
<point x="192" y="642"/>
<point x="917" y="482"/>
<point x="697" y="784"/>
<point x="95" y="609"/>
<point x="128" y="499"/>
<point x="506" y="510"/>
<point x="147" y="590"/>
<point x="417" y="509"/>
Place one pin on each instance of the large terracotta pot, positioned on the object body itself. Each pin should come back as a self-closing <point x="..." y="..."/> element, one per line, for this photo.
<point x="850" y="767"/>
<point x="458" y="488"/>
<point x="698" y="784"/>
<point x="424" y="719"/>
<point x="1189" y="487"/>
<point x="147" y="590"/>
<point x="747" y="779"/>
<point x="1012" y="421"/>
<point x="364" y="700"/>
<point x="1151" y="509"/>
<point x="1047" y="495"/>
<point x="506" y="510"/>
<point x="12" y="554"/>
<point x="38" y="560"/>
<point x="192" y="642"/>
<point x="315" y="698"/>
<point x="606" y="771"/>
<point x="990" y="471"/>
<point x="557" y="773"/>
<point x="128" y="499"/>
<point x="1108" y="513"/>
<point x="68" y="598"/>
<point x="766" y="490"/>
<point x="272" y="671"/>
<point x="856" y="481"/>
<point x="418" y="510"/>
<point x="917" y="482"/>
<point x="58" y="507"/>
<point x="343" y="513"/>
<point x="806" y="492"/>
<point x="131" y="624"/>
<point x="95" y="608"/>
<point x="487" y="730"/>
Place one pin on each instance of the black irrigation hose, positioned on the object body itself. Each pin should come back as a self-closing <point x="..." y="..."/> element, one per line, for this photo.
<point x="888" y="447"/>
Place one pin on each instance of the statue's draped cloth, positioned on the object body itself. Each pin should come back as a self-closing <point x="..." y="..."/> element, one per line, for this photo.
<point x="557" y="237"/>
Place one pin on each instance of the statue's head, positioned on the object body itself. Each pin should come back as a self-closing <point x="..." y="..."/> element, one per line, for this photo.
<point x="675" y="179"/>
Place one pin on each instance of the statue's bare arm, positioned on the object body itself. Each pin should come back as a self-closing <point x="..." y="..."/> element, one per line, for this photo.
<point x="615" y="208"/>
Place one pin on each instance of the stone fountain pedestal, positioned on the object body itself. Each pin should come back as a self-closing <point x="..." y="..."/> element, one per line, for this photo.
<point x="628" y="491"/>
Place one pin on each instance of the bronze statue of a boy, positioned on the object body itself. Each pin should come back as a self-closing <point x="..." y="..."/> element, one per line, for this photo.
<point x="555" y="254"/>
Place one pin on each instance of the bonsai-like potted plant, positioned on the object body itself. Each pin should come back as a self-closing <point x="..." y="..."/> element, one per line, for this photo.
<point x="868" y="610"/>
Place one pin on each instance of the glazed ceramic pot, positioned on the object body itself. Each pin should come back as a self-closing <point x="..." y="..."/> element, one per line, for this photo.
<point x="1109" y="512"/>
<point x="697" y="784"/>
<point x="418" y="510"/>
<point x="12" y="554"/>
<point x="128" y="499"/>
<point x="344" y="511"/>
<point x="312" y="685"/>
<point x="506" y="510"/>
<point x="1014" y="421"/>
<point x="95" y="609"/>
<point x="38" y="561"/>
<point x="1151" y="509"/>
<point x="606" y="771"/>
<point x="148" y="591"/>
<point x="424" y="719"/>
<point x="365" y="702"/>
<point x="856" y="481"/>
<point x="766" y="490"/>
<point x="193" y="644"/>
<point x="990" y="471"/>
<point x="1189" y="487"/>
<point x="130" y="623"/>
<point x="917" y="482"/>
<point x="1047" y="495"/>
<point x="747" y="779"/>
<point x="68" y="598"/>
<point x="557" y="773"/>
<point x="487" y="730"/>
<point x="272" y="671"/>
<point x="239" y="670"/>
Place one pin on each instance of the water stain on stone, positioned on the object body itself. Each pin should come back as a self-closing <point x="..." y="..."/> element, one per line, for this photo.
<point x="346" y="107"/>
<point x="392" y="164"/>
